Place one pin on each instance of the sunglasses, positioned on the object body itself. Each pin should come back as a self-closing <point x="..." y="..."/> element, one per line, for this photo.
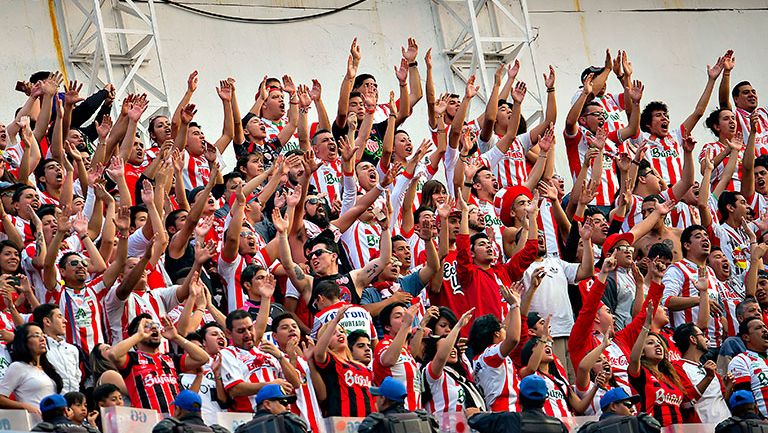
<point x="627" y="403"/>
<point x="78" y="262"/>
<point x="318" y="253"/>
<point x="284" y="401"/>
<point x="315" y="200"/>
<point x="598" y="114"/>
<point x="626" y="249"/>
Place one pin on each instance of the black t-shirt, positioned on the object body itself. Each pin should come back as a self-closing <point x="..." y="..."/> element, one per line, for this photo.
<point x="374" y="141"/>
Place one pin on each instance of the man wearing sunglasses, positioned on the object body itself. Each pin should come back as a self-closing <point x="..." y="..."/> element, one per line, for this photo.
<point x="583" y="122"/>
<point x="273" y="403"/>
<point x="618" y="409"/>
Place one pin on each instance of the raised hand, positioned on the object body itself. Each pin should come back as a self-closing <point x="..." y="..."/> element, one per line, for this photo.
<point x="549" y="80"/>
<point x="411" y="52"/>
<point x="585" y="230"/>
<point x="72" y="95"/>
<point x="498" y="74"/>
<point x="188" y="113"/>
<point x="518" y="93"/>
<point x="305" y="100"/>
<point x="441" y="104"/>
<point x="137" y="109"/>
<point x="288" y="85"/>
<point x="169" y="331"/>
<point x="547" y="190"/>
<point x="147" y="192"/>
<point x="280" y="223"/>
<point x="587" y="88"/>
<point x="428" y="58"/>
<point x="444" y="210"/>
<point x="688" y="143"/>
<point x="547" y="140"/>
<point x="224" y="91"/>
<point x="293" y="197"/>
<point x="513" y="69"/>
<point x="729" y="61"/>
<point x="471" y="90"/>
<point x="702" y="282"/>
<point x="636" y="92"/>
<point x="317" y="90"/>
<point x="626" y="65"/>
<point x="715" y="71"/>
<point x="80" y="224"/>
<point x="192" y="82"/>
<point x="402" y="72"/>
<point x="203" y="226"/>
<point x="103" y="127"/>
<point x="354" y="54"/>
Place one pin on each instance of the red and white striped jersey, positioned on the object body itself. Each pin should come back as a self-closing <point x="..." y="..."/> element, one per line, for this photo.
<point x="356" y="318"/>
<point x="306" y="405"/>
<point x="665" y="153"/>
<point x="684" y="215"/>
<point x="196" y="171"/>
<point x="761" y="135"/>
<point x="734" y="243"/>
<point x="447" y="393"/>
<point x="556" y="403"/>
<point x="361" y="242"/>
<point x="750" y="368"/>
<point x="634" y="210"/>
<point x="731" y="299"/>
<point x="254" y="366"/>
<point x="327" y="179"/>
<point x="619" y="362"/>
<point x="547" y="224"/>
<point x="405" y="370"/>
<point x="47" y="198"/>
<point x="613" y="106"/>
<point x="712" y="150"/>
<point x="85" y="317"/>
<point x="759" y="205"/>
<point x="273" y="129"/>
<point x="513" y="169"/>
<point x="576" y="149"/>
<point x="498" y="379"/>
<point x="120" y="313"/>
<point x="22" y="226"/>
<point x="493" y="225"/>
<point x="12" y="155"/>
<point x="35" y="275"/>
<point x="680" y="280"/>
<point x="416" y="245"/>
<point x="230" y="272"/>
<point x="6" y="324"/>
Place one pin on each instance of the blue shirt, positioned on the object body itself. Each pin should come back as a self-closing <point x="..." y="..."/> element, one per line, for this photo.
<point x="410" y="283"/>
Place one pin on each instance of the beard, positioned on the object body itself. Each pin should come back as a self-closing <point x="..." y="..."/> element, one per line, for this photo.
<point x="476" y="227"/>
<point x="152" y="344"/>
<point x="320" y="220"/>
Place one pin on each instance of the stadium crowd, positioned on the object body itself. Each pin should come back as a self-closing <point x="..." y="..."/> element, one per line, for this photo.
<point x="339" y="252"/>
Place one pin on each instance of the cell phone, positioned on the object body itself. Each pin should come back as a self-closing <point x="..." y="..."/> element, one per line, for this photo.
<point x="15" y="281"/>
<point x="21" y="86"/>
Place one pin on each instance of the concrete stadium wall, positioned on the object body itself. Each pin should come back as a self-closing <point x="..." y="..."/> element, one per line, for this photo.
<point x="669" y="43"/>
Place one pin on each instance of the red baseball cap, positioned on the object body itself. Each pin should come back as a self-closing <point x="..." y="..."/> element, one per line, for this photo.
<point x="504" y="200"/>
<point x="614" y="239"/>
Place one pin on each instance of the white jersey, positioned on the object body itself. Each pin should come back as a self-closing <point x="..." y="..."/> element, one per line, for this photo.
<point x="749" y="367"/>
<point x="576" y="147"/>
<point x="447" y="393"/>
<point x="497" y="378"/>
<point x="207" y="393"/>
<point x="327" y="179"/>
<point x="613" y="106"/>
<point x="734" y="243"/>
<point x="761" y="135"/>
<point x="361" y="242"/>
<point x="356" y="318"/>
<point x="254" y="366"/>
<point x="493" y="225"/>
<point x="710" y="406"/>
<point x="196" y="171"/>
<point x="230" y="272"/>
<point x="712" y="150"/>
<point x="680" y="280"/>
<point x="306" y="405"/>
<point x="120" y="313"/>
<point x="552" y="293"/>
<point x="665" y="153"/>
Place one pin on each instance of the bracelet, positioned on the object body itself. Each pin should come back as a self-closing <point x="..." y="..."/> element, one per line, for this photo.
<point x="83" y="236"/>
<point x="380" y="188"/>
<point x="635" y="162"/>
<point x="122" y="236"/>
<point x="550" y="89"/>
<point x="304" y="110"/>
<point x="294" y="103"/>
<point x="620" y="77"/>
<point x="513" y="306"/>
<point x="393" y="115"/>
<point x="403" y="84"/>
<point x="371" y="111"/>
<point x="413" y="64"/>
<point x="645" y="328"/>
<point x="468" y="184"/>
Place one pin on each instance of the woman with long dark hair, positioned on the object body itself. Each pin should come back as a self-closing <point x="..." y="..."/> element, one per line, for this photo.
<point x="661" y="390"/>
<point x="449" y="388"/>
<point x="30" y="377"/>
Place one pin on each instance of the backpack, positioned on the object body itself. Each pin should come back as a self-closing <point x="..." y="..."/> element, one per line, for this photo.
<point x="281" y="423"/>
<point x="406" y="422"/>
<point x="182" y="427"/>
<point x="642" y="423"/>
<point x="735" y="423"/>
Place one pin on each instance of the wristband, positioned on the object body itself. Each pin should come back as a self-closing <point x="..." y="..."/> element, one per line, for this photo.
<point x="413" y="64"/>
<point x="83" y="236"/>
<point x="371" y="111"/>
<point x="380" y="188"/>
<point x="635" y="162"/>
<point x="550" y="89"/>
<point x="403" y="84"/>
<point x="294" y="103"/>
<point x="468" y="184"/>
<point x="122" y="236"/>
<point x="513" y="306"/>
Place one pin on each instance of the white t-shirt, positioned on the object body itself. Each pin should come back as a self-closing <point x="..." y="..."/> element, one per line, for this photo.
<point x="711" y="406"/>
<point x="210" y="408"/>
<point x="552" y="294"/>
<point x="29" y="384"/>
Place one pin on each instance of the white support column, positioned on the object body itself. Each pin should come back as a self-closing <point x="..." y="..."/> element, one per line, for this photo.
<point x="114" y="41"/>
<point x="478" y="35"/>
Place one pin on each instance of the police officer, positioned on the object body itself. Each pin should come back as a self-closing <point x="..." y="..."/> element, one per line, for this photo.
<point x="272" y="413"/>
<point x="186" y="417"/>
<point x="54" y="409"/>
<point x="618" y="414"/>
<point x="390" y="406"/>
<point x="745" y="416"/>
<point x="533" y="394"/>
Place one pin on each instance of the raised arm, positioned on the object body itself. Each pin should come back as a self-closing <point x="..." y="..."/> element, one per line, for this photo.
<point x="429" y="89"/>
<point x="511" y="322"/>
<point x="635" y="95"/>
<point x="63" y="226"/>
<point x="324" y="338"/>
<point x="302" y="282"/>
<point x="445" y="345"/>
<point x="748" y="163"/>
<point x="323" y="121"/>
<point x="637" y="349"/>
<point x="414" y="79"/>
<point x="724" y="91"/>
<point x="181" y="238"/>
<point x="404" y="109"/>
<point x="492" y="107"/>
<point x="701" y="105"/>
<point x="353" y="62"/>
<point x="391" y="354"/>
<point x="176" y="120"/>
<point x="461" y="113"/>
<point x="363" y="277"/>
<point x="572" y="118"/>
<point x="229" y="250"/>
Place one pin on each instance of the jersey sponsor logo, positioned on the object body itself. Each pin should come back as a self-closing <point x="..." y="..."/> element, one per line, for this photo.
<point x="449" y="274"/>
<point x="492" y="220"/>
<point x="664" y="153"/>
<point x="331" y="178"/>
<point x="662" y="397"/>
<point x="372" y="240"/>
<point x="162" y="379"/>
<point x="351" y="379"/>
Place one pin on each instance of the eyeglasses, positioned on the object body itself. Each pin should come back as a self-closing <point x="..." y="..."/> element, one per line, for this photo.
<point x="315" y="200"/>
<point x="318" y="253"/>
<point x="152" y="325"/>
<point x="35" y="335"/>
<point x="74" y="263"/>
<point x="626" y="249"/>
<point x="598" y="114"/>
